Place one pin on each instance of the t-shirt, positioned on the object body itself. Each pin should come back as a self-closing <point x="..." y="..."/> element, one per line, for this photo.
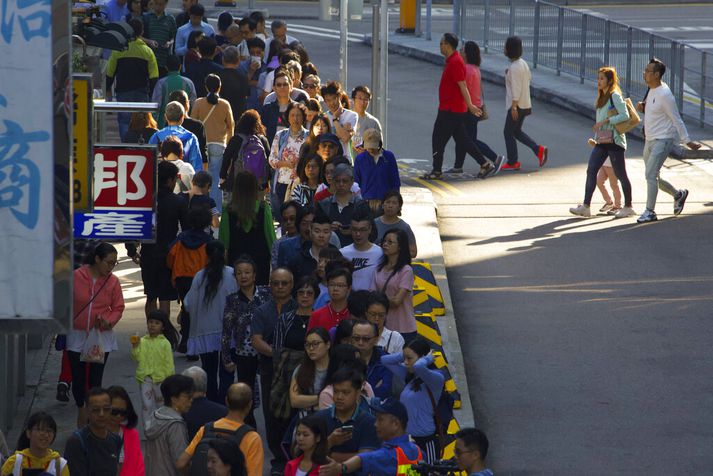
<point x="401" y="318"/>
<point x="346" y="117"/>
<point x="250" y="446"/>
<point x="364" y="123"/>
<point x="484" y="472"/>
<point x="326" y="317"/>
<point x="319" y="377"/>
<point x="472" y="82"/>
<point x="185" y="176"/>
<point x="391" y="341"/>
<point x="364" y="263"/>
<point x="382" y="228"/>
<point x="96" y="456"/>
<point x="363" y="436"/>
<point x="449" y="95"/>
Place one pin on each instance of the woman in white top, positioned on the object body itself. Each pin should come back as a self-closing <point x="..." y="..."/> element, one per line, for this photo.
<point x="285" y="150"/>
<point x="519" y="106"/>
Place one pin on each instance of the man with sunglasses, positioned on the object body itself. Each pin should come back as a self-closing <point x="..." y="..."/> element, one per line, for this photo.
<point x="471" y="450"/>
<point x="263" y="332"/>
<point x="94" y="450"/>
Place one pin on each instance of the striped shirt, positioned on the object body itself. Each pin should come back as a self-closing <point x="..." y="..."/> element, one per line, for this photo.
<point x="161" y="29"/>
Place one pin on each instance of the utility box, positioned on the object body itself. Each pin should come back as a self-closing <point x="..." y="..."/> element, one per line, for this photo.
<point x="407" y="16"/>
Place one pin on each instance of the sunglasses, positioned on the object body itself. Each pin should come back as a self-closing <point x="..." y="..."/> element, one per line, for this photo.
<point x="119" y="412"/>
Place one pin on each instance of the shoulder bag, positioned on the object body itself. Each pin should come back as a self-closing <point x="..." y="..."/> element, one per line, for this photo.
<point x="634" y="119"/>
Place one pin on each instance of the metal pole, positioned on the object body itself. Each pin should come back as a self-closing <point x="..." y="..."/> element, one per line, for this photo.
<point x="583" y="51"/>
<point x="428" y="19"/>
<point x="702" y="94"/>
<point x="486" y="25"/>
<point x="375" y="58"/>
<point x="456" y="18"/>
<point x="560" y="39"/>
<point x="384" y="70"/>
<point x="681" y="69"/>
<point x="536" y="37"/>
<point x="343" y="35"/>
<point x="607" y="40"/>
<point x="629" y="40"/>
<point x="511" y="26"/>
<point x="418" y="30"/>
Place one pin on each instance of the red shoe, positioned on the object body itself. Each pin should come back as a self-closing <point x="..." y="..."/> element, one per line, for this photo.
<point x="515" y="166"/>
<point x="542" y="155"/>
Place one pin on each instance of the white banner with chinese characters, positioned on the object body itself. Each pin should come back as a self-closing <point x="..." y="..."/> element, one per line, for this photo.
<point x="26" y="160"/>
<point x="124" y="195"/>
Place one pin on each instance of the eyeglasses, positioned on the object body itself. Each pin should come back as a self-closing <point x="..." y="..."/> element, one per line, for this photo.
<point x="310" y="86"/>
<point x="313" y="344"/>
<point x="362" y="338"/>
<point x="46" y="431"/>
<point x="337" y="285"/>
<point x="119" y="412"/>
<point x="281" y="85"/>
<point x="305" y="292"/>
<point x="376" y="315"/>
<point x="459" y="452"/>
<point x="111" y="263"/>
<point x="280" y="283"/>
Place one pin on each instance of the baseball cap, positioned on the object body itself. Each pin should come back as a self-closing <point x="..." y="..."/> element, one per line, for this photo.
<point x="372" y="139"/>
<point x="329" y="137"/>
<point x="393" y="407"/>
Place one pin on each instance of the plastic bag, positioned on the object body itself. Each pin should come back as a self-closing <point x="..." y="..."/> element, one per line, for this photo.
<point x="92" y="350"/>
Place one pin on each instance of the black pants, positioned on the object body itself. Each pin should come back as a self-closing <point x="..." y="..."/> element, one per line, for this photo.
<point x="275" y="427"/>
<point x="183" y="285"/>
<point x="211" y="364"/>
<point x="80" y="383"/>
<point x="430" y="447"/>
<point x="447" y="125"/>
<point x="471" y="130"/>
<point x="247" y="372"/>
<point x="596" y="159"/>
<point x="513" y="132"/>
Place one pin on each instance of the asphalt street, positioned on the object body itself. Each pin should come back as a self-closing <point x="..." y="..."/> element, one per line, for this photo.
<point x="586" y="341"/>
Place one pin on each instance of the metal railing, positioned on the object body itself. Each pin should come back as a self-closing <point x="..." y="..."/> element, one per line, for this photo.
<point x="578" y="44"/>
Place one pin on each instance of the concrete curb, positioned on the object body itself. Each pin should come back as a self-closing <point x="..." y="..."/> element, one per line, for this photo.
<point x="422" y="215"/>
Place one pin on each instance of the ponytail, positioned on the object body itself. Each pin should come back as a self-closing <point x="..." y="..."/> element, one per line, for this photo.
<point x="212" y="85"/>
<point x="213" y="276"/>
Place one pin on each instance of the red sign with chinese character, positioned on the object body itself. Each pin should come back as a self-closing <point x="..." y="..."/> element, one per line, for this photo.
<point x="124" y="177"/>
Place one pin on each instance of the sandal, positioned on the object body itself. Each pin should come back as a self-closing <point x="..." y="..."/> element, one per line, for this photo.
<point x="433" y="175"/>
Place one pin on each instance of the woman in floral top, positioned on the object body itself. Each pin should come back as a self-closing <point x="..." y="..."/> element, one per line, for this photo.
<point x="285" y="151"/>
<point x="236" y="350"/>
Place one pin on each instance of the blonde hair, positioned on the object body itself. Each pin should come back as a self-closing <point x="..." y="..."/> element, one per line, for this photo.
<point x="603" y="96"/>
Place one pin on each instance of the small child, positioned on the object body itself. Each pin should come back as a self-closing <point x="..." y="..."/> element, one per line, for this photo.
<point x="199" y="196"/>
<point x="393" y="202"/>
<point x="604" y="174"/>
<point x="154" y="354"/>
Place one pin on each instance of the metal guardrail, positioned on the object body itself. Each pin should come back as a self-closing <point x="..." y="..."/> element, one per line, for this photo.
<point x="578" y="44"/>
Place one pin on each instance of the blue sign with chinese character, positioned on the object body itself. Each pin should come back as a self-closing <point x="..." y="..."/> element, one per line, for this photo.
<point x="114" y="225"/>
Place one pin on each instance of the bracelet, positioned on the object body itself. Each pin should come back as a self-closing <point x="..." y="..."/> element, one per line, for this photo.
<point x="344" y="469"/>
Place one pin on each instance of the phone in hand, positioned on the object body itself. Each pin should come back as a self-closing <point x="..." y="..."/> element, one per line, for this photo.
<point x="348" y="428"/>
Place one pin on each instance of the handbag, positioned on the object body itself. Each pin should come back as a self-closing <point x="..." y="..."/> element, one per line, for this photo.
<point x="634" y="118"/>
<point x="92" y="350"/>
<point x="604" y="136"/>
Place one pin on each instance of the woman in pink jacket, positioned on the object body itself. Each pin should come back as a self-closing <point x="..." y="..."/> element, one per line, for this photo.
<point x="123" y="423"/>
<point x="98" y="304"/>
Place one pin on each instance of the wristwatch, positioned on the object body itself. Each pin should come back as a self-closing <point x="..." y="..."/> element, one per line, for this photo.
<point x="344" y="469"/>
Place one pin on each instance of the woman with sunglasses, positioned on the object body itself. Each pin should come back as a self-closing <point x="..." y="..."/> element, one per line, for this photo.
<point x="123" y="422"/>
<point x="98" y="306"/>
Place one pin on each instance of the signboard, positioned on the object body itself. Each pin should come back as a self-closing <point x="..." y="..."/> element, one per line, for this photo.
<point x="82" y="101"/>
<point x="33" y="130"/>
<point x="124" y="195"/>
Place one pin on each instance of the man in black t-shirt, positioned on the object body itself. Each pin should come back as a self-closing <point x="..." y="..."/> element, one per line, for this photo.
<point x="94" y="450"/>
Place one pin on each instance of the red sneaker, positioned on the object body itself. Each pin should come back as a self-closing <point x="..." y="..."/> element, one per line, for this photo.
<point x="515" y="166"/>
<point x="542" y="155"/>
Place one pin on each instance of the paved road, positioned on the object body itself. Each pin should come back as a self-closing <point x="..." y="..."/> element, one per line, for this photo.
<point x="586" y="341"/>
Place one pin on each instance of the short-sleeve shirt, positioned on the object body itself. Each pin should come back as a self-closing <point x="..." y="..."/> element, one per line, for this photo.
<point x="382" y="228"/>
<point x="401" y="318"/>
<point x="326" y="317"/>
<point x="382" y="462"/>
<point x="449" y="95"/>
<point x="250" y="446"/>
<point x="364" y="263"/>
<point x="364" y="435"/>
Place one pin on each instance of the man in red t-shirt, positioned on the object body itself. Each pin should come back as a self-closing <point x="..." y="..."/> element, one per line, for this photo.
<point x="339" y="284"/>
<point x="453" y="104"/>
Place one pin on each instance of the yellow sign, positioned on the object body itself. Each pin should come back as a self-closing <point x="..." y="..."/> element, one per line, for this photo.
<point x="82" y="170"/>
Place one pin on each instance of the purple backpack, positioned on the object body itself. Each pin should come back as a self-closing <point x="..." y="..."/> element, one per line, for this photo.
<point x="252" y="157"/>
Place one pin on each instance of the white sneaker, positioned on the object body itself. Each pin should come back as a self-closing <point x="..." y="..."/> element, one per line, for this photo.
<point x="581" y="210"/>
<point x="624" y="212"/>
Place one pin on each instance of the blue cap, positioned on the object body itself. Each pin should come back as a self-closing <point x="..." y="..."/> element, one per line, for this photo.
<point x="329" y="137"/>
<point x="392" y="407"/>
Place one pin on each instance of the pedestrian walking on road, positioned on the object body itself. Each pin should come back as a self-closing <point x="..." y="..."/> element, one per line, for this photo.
<point x="470" y="52"/>
<point x="99" y="304"/>
<point x="123" y="422"/>
<point x="606" y="173"/>
<point x="662" y="123"/>
<point x="519" y="106"/>
<point x="611" y="110"/>
<point x="454" y="103"/>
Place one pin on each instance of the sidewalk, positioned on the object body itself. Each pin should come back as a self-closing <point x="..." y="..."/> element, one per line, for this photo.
<point x="563" y="91"/>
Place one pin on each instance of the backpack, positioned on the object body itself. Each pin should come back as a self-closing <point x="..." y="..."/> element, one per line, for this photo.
<point x="185" y="262"/>
<point x="252" y="158"/>
<point x="199" y="462"/>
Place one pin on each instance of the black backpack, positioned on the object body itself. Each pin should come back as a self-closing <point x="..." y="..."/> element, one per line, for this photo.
<point x="199" y="462"/>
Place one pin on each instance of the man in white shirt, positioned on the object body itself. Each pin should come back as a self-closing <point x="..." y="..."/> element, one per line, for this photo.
<point x="364" y="254"/>
<point x="343" y="120"/>
<point x="662" y="126"/>
<point x="361" y="96"/>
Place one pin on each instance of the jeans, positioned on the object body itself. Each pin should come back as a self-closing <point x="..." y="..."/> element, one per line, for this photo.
<point x="471" y="129"/>
<point x="512" y="132"/>
<point x="215" y="160"/>
<point x="80" y="383"/>
<point x="137" y="95"/>
<point x="596" y="159"/>
<point x="655" y="153"/>
<point x="447" y="125"/>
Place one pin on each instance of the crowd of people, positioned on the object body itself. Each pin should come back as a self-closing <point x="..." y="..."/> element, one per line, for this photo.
<point x="310" y="321"/>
